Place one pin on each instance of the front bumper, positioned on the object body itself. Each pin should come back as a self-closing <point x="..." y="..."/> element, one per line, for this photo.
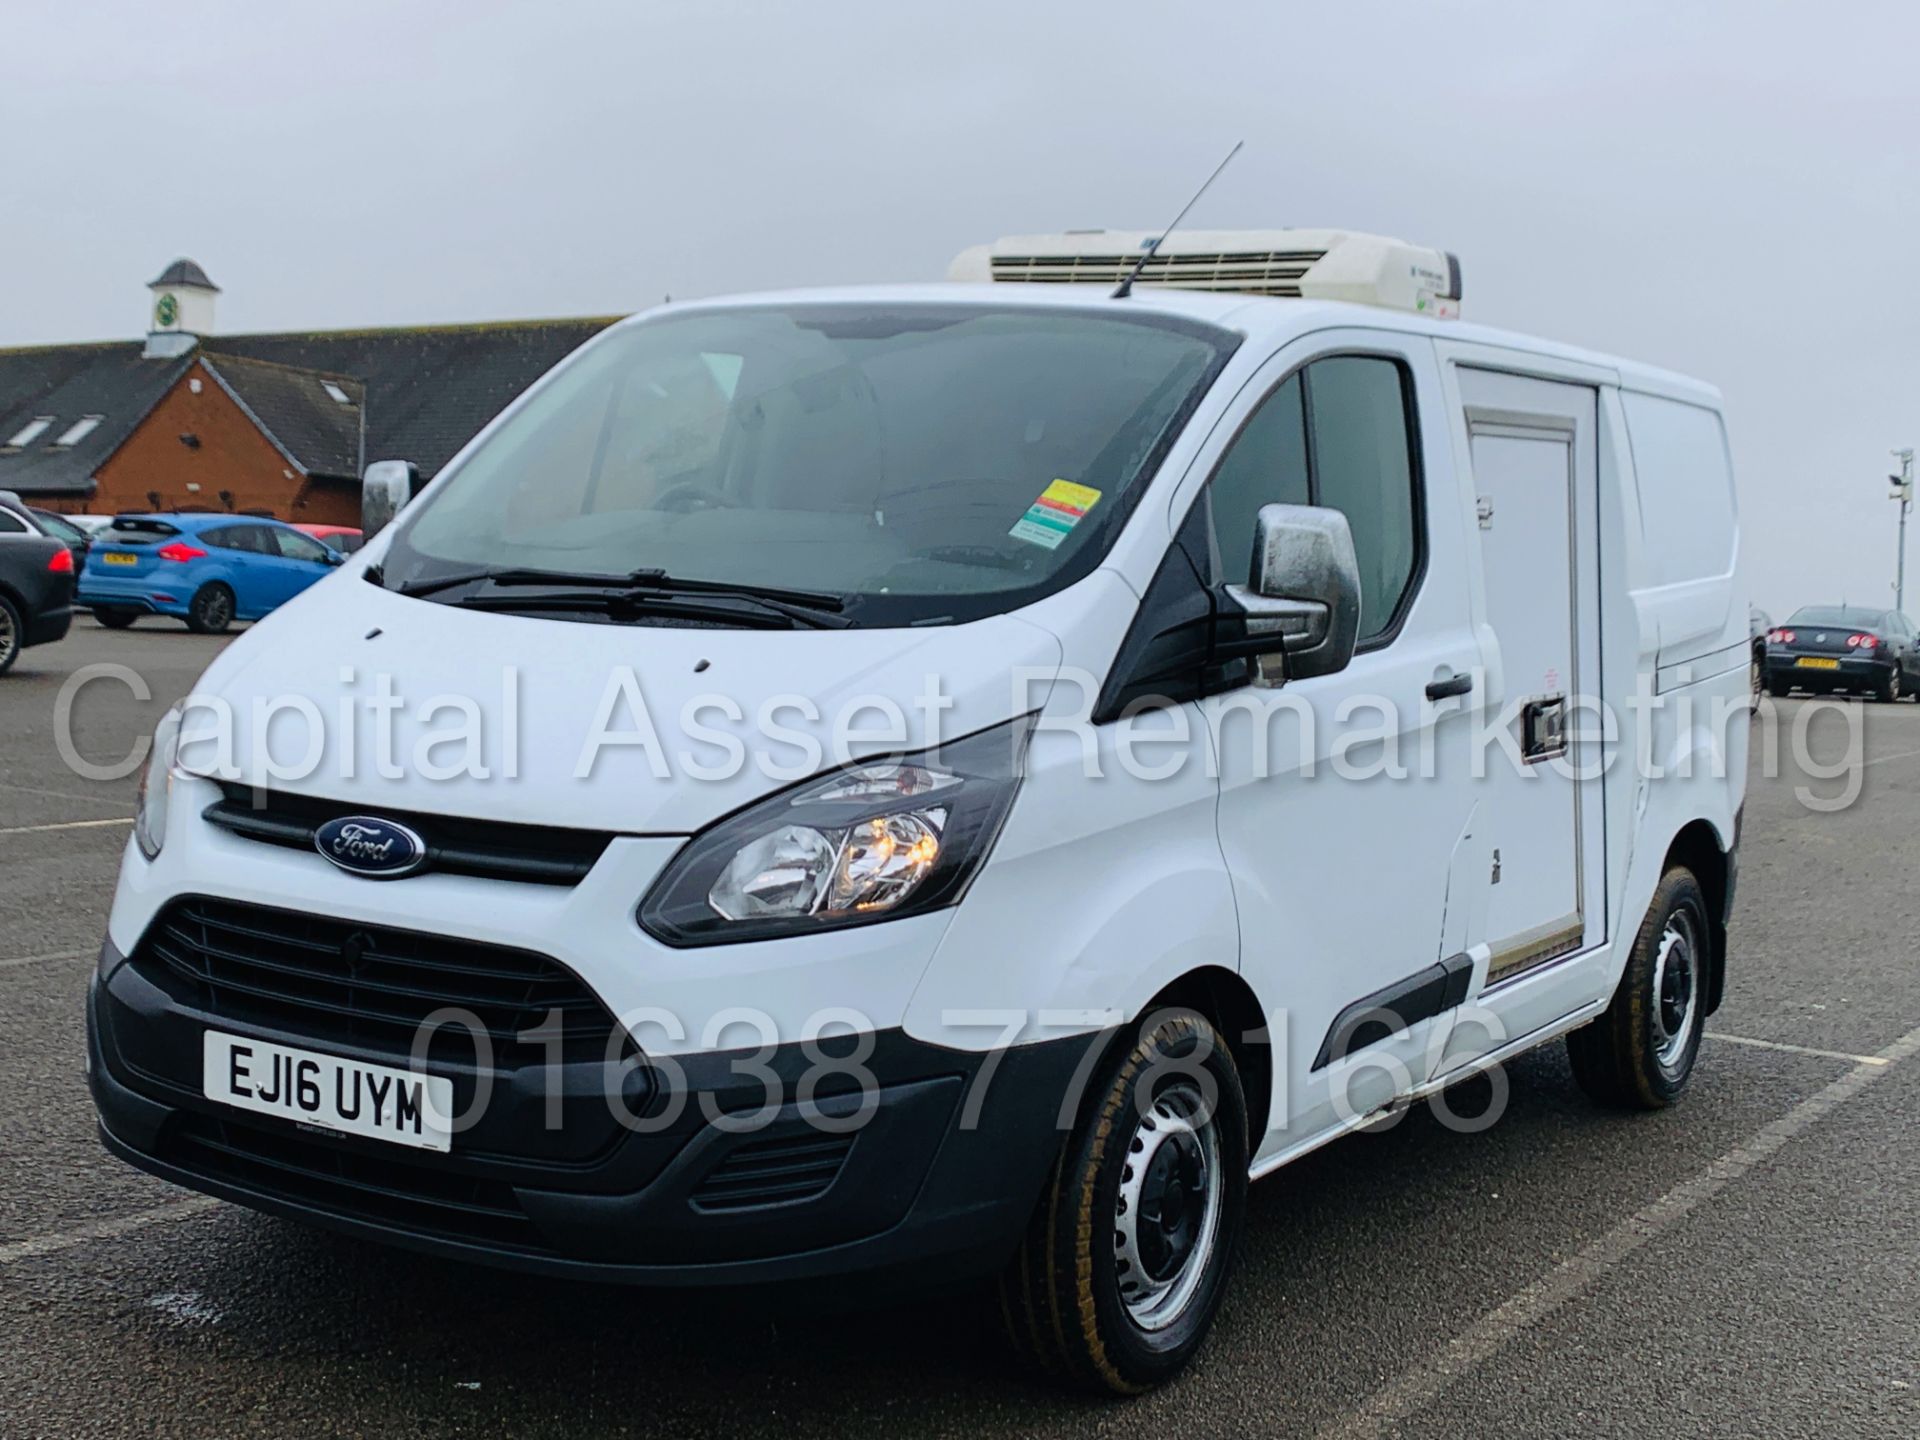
<point x="692" y="1198"/>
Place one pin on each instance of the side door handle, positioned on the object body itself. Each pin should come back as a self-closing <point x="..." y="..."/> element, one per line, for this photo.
<point x="1453" y="685"/>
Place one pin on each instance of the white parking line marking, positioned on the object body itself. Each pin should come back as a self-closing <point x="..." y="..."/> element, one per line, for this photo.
<point x="1404" y="1397"/>
<point x="18" y="1250"/>
<point x="62" y="795"/>
<point x="41" y="959"/>
<point x="66" y="825"/>
<point x="1798" y="1049"/>
<point x="1883" y="759"/>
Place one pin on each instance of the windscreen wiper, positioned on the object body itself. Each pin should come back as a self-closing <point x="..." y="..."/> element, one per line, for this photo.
<point x="508" y="575"/>
<point x="817" y="609"/>
<point x="626" y="605"/>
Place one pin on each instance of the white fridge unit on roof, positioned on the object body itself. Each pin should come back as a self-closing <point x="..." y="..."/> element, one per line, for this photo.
<point x="1307" y="264"/>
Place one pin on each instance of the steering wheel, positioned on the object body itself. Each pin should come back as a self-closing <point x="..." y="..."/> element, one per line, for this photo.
<point x="692" y="495"/>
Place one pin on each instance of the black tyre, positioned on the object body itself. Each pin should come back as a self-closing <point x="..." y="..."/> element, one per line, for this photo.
<point x="210" y="611"/>
<point x="116" y="619"/>
<point x="1127" y="1256"/>
<point x="13" y="634"/>
<point x="1639" y="1055"/>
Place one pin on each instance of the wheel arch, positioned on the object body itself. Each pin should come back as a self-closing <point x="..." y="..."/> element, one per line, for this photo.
<point x="1698" y="848"/>
<point x="1229" y="1004"/>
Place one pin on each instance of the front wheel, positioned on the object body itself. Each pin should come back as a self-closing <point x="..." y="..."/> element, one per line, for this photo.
<point x="1126" y="1259"/>
<point x="210" y="611"/>
<point x="1639" y="1055"/>
<point x="1891" y="689"/>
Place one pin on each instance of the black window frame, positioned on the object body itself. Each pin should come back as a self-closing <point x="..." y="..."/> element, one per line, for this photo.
<point x="1416" y="470"/>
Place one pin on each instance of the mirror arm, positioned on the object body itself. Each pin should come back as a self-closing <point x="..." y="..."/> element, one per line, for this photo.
<point x="1266" y="629"/>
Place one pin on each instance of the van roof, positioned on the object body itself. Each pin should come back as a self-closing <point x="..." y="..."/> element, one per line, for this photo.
<point x="1269" y="319"/>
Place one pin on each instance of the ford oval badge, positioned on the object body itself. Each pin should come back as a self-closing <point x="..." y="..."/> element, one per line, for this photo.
<point x="367" y="845"/>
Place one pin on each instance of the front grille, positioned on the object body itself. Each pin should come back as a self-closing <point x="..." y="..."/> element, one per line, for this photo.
<point x="1251" y="272"/>
<point x="491" y="849"/>
<point x="774" y="1172"/>
<point x="370" y="985"/>
<point x="360" y="1185"/>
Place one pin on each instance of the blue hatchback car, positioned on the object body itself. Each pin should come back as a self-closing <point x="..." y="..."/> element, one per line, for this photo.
<point x="208" y="570"/>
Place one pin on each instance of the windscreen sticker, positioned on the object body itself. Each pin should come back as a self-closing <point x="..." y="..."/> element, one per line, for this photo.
<point x="1051" y="518"/>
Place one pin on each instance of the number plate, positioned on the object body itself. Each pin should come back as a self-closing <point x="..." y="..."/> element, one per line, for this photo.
<point x="1807" y="662"/>
<point x="115" y="557"/>
<point x="354" y="1098"/>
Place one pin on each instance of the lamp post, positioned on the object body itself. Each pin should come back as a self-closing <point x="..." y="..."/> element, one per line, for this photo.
<point x="1903" y="492"/>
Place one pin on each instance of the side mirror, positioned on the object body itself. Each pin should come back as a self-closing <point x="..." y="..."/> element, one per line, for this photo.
<point x="385" y="491"/>
<point x="1302" y="602"/>
<point x="334" y="557"/>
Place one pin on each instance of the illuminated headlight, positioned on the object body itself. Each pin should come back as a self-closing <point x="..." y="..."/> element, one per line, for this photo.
<point x="156" y="785"/>
<point x="869" y="842"/>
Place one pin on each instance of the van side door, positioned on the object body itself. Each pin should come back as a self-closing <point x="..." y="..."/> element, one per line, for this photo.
<point x="1532" y="447"/>
<point x="1345" y="799"/>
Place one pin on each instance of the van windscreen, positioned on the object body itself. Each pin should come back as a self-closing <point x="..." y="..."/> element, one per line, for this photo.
<point x="919" y="462"/>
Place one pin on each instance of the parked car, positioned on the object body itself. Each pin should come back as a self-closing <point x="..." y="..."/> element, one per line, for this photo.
<point x="92" y="524"/>
<point x="208" y="570"/>
<point x="65" y="531"/>
<point x="1858" y="648"/>
<point x="36" y="585"/>
<point x="1025" y="1003"/>
<point x="344" y="538"/>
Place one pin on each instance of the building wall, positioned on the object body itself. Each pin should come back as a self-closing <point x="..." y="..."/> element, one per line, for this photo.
<point x="234" y="467"/>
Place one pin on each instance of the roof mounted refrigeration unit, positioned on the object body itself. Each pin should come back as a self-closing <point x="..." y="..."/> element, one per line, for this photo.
<point x="1303" y="264"/>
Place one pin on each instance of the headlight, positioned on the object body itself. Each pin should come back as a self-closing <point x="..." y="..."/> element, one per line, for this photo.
<point x="872" y="841"/>
<point x="156" y="785"/>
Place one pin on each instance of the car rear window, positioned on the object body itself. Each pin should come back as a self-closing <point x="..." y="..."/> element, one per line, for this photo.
<point x="1845" y="615"/>
<point x="137" y="532"/>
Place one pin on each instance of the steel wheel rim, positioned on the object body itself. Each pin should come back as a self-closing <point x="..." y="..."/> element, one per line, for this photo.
<point x="1676" y="991"/>
<point x="1166" y="1223"/>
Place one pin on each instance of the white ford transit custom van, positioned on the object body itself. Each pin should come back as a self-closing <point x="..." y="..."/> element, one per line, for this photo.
<point x="952" y="780"/>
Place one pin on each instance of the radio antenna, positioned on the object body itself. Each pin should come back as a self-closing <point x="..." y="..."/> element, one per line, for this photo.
<point x="1125" y="288"/>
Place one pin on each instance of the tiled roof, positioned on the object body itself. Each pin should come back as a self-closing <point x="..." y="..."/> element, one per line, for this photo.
<point x="431" y="388"/>
<point x="69" y="383"/>
<point x="426" y="390"/>
<point x="319" y="433"/>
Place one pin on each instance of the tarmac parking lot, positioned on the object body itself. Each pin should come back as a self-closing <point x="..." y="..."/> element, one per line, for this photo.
<point x="1745" y="1263"/>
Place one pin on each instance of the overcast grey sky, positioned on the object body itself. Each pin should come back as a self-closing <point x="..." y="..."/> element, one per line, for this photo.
<point x="1730" y="189"/>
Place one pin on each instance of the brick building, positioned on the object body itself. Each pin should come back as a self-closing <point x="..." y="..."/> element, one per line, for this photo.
<point x="272" y="424"/>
